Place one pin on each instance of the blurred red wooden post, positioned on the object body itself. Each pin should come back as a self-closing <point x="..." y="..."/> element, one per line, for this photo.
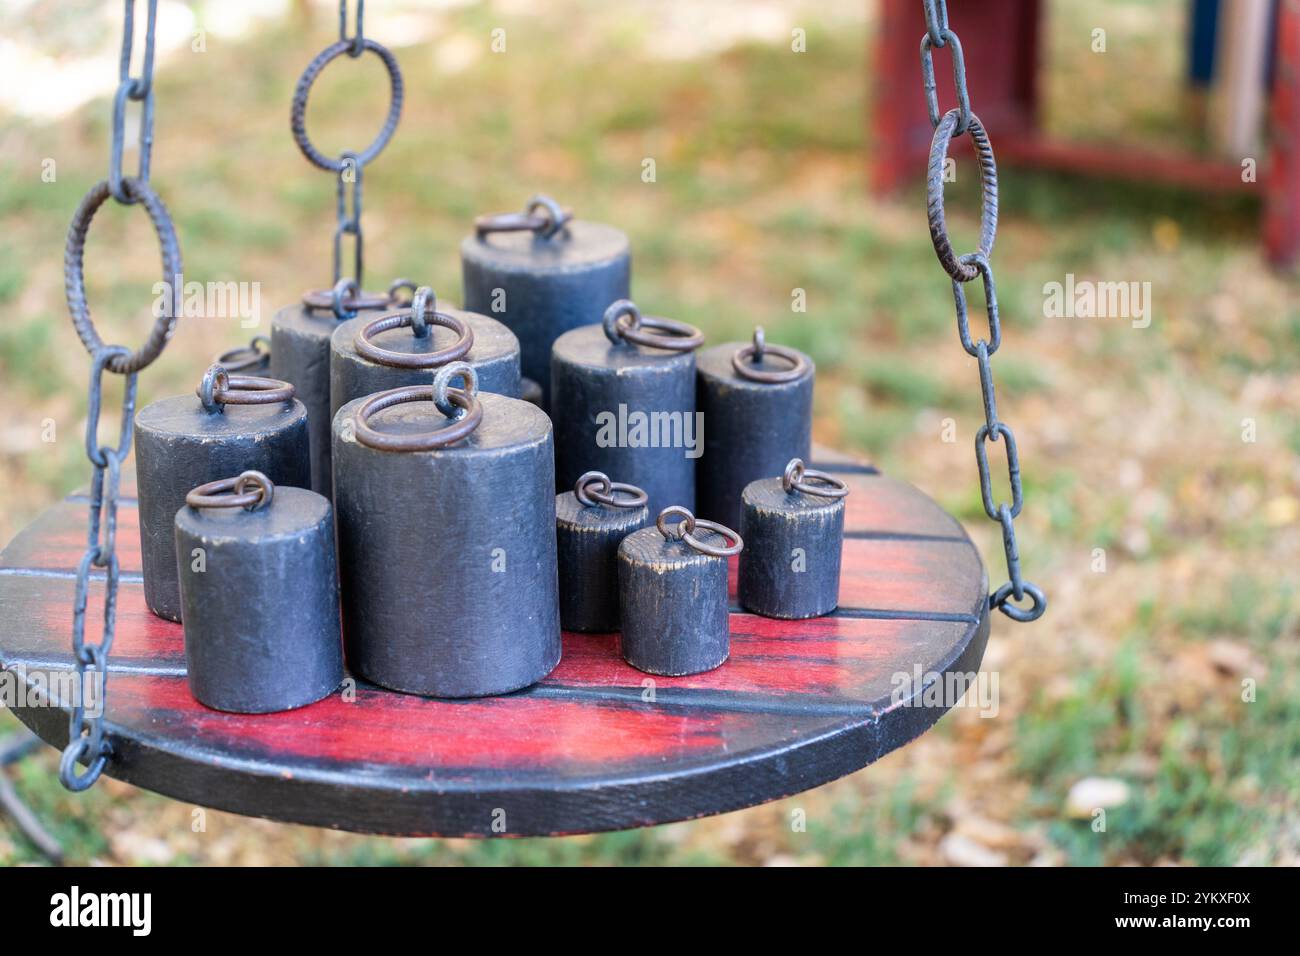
<point x="1000" y="39"/>
<point x="1282" y="203"/>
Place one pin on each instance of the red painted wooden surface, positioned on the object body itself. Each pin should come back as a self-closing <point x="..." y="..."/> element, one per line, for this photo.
<point x="588" y="748"/>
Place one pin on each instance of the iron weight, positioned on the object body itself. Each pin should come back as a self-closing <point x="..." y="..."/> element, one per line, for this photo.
<point x="673" y="589"/>
<point x="259" y="589"/>
<point x="543" y="273"/>
<point x="236" y="423"/>
<point x="623" y="403"/>
<point x="395" y="354"/>
<point x="793" y="528"/>
<point x="530" y="391"/>
<point x="300" y="355"/>
<point x="445" y="511"/>
<point x="757" y="405"/>
<point x="590" y="523"/>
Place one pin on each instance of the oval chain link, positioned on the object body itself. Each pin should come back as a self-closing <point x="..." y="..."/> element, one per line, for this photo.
<point x="963" y="269"/>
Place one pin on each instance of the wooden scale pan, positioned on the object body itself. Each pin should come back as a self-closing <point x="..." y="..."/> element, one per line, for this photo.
<point x="799" y="703"/>
<point x="596" y="745"/>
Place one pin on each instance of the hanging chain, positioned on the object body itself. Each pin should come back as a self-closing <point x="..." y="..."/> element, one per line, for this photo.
<point x="349" y="165"/>
<point x="87" y="743"/>
<point x="963" y="269"/>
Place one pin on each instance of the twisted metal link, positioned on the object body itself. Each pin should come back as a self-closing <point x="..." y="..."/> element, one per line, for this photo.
<point x="963" y="269"/>
<point x="349" y="163"/>
<point x="88" y="743"/>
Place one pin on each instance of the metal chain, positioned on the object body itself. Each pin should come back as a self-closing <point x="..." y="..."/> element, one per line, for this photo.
<point x="133" y="88"/>
<point x="87" y="742"/>
<point x="349" y="165"/>
<point x="963" y="269"/>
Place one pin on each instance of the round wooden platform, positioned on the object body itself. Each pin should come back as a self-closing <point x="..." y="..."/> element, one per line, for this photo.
<point x="595" y="746"/>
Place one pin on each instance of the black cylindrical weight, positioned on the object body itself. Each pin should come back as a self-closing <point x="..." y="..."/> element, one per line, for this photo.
<point x="447" y="554"/>
<point x="494" y="356"/>
<point x="542" y="283"/>
<point x="674" y="596"/>
<point x="259" y="589"/>
<point x="530" y="391"/>
<point x="758" y="416"/>
<point x="590" y="523"/>
<point x="181" y="443"/>
<point x="794" y="537"/>
<point x="300" y="354"/>
<point x="628" y="410"/>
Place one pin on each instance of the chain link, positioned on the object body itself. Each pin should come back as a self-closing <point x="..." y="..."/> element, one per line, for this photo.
<point x="88" y="744"/>
<point x="139" y="89"/>
<point x="349" y="165"/>
<point x="348" y="223"/>
<point x="963" y="269"/>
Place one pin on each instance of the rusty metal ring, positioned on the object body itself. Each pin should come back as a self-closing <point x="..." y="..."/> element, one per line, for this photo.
<point x="684" y="527"/>
<point x="672" y="335"/>
<point x="943" y="133"/>
<point x="442" y="389"/>
<point x="74" y="279"/>
<point x="745" y="357"/>
<point x="429" y="441"/>
<point x="218" y="387"/>
<point x="735" y="547"/>
<point x="546" y="226"/>
<point x="298" y="109"/>
<point x="405" y="317"/>
<point x="797" y="475"/>
<point x="243" y="358"/>
<point x="232" y="493"/>
<point x="555" y="218"/>
<point x="422" y="303"/>
<point x="687" y="527"/>
<point x="608" y="492"/>
<point x="345" y="289"/>
<point x="318" y="300"/>
<point x="396" y="286"/>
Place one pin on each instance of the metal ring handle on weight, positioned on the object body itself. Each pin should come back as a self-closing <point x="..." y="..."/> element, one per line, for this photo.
<point x="744" y="359"/>
<point x="345" y="299"/>
<point x="686" y="532"/>
<point x="406" y="317"/>
<point x="74" y="280"/>
<point x="608" y="492"/>
<point x="218" y="387"/>
<point x="233" y="492"/>
<point x="462" y="400"/>
<point x="672" y="335"/>
<point x="241" y="358"/>
<point x="546" y="226"/>
<point x="797" y="477"/>
<point x="422" y="303"/>
<point x="943" y="133"/>
<point x="298" y="111"/>
<point x="396" y="286"/>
